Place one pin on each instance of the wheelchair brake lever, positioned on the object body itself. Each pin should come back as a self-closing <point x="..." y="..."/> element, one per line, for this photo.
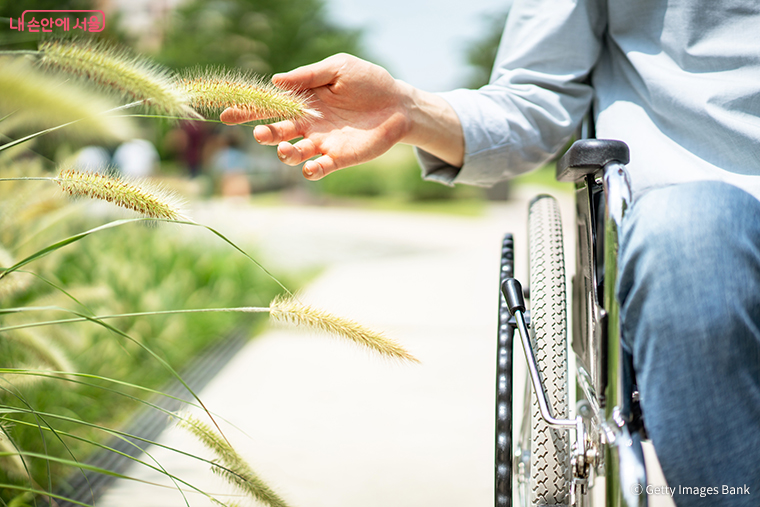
<point x="513" y="295"/>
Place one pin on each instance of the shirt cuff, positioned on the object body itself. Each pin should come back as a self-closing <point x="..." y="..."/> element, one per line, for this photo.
<point x="435" y="169"/>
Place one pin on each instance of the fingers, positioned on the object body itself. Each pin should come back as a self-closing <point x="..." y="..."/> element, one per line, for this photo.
<point x="233" y="116"/>
<point x="314" y="75"/>
<point x="294" y="154"/>
<point x="319" y="168"/>
<point x="276" y="133"/>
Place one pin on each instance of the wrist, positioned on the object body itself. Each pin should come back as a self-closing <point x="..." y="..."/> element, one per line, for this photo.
<point x="432" y="124"/>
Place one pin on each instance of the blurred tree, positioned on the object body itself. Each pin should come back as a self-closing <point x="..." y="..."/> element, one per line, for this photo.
<point x="258" y="35"/>
<point x="482" y="52"/>
<point x="481" y="55"/>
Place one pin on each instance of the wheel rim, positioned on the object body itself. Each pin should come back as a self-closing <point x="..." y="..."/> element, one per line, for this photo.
<point x="503" y="455"/>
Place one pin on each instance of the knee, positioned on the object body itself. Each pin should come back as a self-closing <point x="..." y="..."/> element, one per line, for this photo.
<point x="690" y="222"/>
<point x="702" y="233"/>
<point x="689" y="253"/>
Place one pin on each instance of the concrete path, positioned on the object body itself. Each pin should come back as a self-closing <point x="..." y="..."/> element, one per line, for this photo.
<point x="328" y="424"/>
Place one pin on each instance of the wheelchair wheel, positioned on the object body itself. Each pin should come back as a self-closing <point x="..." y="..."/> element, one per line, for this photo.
<point x="548" y="476"/>
<point x="503" y="457"/>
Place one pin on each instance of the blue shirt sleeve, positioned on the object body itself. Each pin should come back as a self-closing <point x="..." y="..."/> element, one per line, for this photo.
<point x="537" y="96"/>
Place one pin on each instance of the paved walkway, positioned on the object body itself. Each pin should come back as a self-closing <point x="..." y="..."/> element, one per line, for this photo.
<point x="328" y="424"/>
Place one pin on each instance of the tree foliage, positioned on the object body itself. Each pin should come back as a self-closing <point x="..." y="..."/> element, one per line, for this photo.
<point x="258" y="35"/>
<point x="481" y="53"/>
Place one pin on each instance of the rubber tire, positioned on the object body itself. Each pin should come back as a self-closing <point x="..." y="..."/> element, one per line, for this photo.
<point x="503" y="454"/>
<point x="550" y="477"/>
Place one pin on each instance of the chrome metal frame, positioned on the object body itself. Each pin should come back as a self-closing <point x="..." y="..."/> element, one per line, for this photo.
<point x="603" y="375"/>
<point x="606" y="438"/>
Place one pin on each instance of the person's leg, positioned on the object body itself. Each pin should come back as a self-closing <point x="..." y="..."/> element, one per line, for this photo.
<point x="689" y="289"/>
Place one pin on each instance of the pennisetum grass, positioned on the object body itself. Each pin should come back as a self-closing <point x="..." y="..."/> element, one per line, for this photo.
<point x="115" y="68"/>
<point x="290" y="310"/>
<point x="130" y="194"/>
<point x="230" y="465"/>
<point x="42" y="349"/>
<point x="140" y="196"/>
<point x="213" y="90"/>
<point x="31" y="97"/>
<point x="26" y="92"/>
<point x="14" y="463"/>
<point x="14" y="283"/>
<point x="282" y="309"/>
<point x="22" y="380"/>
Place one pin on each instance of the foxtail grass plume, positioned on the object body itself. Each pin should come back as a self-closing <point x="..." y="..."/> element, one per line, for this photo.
<point x="230" y="465"/>
<point x="33" y="98"/>
<point x="129" y="194"/>
<point x="290" y="310"/>
<point x="13" y="463"/>
<point x="213" y="90"/>
<point x="39" y="346"/>
<point x="117" y="69"/>
<point x="13" y="283"/>
<point x="25" y="379"/>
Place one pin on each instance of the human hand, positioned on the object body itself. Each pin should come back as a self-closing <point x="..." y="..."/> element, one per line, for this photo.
<point x="364" y="112"/>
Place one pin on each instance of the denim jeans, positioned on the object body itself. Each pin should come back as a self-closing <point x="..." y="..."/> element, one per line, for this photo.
<point x="689" y="289"/>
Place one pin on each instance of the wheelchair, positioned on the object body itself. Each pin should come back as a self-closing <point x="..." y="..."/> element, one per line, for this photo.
<point x="554" y="458"/>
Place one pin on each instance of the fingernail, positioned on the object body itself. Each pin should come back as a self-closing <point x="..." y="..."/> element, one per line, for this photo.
<point x="280" y="155"/>
<point x="254" y="134"/>
<point x="308" y="170"/>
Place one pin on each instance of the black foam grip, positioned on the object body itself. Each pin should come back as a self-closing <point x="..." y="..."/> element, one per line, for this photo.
<point x="513" y="293"/>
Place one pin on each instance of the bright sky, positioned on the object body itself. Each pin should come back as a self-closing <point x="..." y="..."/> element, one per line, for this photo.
<point x="420" y="41"/>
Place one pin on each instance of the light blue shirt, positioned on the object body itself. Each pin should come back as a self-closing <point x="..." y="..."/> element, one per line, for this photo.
<point x="677" y="80"/>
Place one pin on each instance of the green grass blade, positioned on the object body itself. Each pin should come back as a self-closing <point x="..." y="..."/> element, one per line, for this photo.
<point x="41" y="419"/>
<point x="157" y="467"/>
<point x="72" y="239"/>
<point x="123" y="436"/>
<point x="241" y="309"/>
<point x="36" y="134"/>
<point x="16" y="487"/>
<point x="58" y="288"/>
<point x="69" y="376"/>
<point x="77" y="464"/>
<point x="64" y="242"/>
<point x="116" y="433"/>
<point x="121" y="333"/>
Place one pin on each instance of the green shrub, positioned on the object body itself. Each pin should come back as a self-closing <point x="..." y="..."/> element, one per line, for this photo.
<point x="133" y="268"/>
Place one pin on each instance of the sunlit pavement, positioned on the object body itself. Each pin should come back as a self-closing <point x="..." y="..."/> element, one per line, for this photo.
<point x="329" y="424"/>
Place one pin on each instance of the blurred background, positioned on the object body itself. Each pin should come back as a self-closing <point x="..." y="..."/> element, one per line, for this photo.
<point x="434" y="45"/>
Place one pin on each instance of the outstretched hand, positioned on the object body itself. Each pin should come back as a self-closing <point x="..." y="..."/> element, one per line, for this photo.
<point x="362" y="116"/>
<point x="364" y="112"/>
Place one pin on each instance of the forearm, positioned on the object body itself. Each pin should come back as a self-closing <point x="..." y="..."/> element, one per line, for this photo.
<point x="434" y="126"/>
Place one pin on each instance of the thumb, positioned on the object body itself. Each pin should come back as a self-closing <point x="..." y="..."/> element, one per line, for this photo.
<point x="313" y="75"/>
